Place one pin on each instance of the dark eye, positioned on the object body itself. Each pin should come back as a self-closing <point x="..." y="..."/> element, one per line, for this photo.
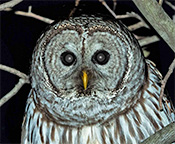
<point x="68" y="58"/>
<point x="101" y="57"/>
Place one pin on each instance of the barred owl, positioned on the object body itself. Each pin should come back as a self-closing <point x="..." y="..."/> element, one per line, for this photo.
<point x="91" y="85"/>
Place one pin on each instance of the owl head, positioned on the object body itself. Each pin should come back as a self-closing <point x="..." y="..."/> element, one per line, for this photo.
<point x="86" y="70"/>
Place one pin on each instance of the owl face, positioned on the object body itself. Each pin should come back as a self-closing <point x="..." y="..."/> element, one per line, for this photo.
<point x="70" y="54"/>
<point x="82" y="65"/>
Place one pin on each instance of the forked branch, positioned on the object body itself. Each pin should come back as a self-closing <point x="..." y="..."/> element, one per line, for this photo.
<point x="23" y="80"/>
<point x="33" y="15"/>
<point x="164" y="81"/>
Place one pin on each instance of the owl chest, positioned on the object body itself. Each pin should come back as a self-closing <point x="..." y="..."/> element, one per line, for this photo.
<point x="132" y="127"/>
<point x="38" y="131"/>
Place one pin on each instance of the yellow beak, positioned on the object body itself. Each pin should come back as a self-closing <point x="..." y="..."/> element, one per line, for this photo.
<point x="85" y="79"/>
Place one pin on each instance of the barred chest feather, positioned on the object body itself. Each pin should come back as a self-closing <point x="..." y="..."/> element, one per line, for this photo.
<point x="132" y="126"/>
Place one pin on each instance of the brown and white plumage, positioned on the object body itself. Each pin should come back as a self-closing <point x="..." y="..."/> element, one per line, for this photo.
<point x="120" y="104"/>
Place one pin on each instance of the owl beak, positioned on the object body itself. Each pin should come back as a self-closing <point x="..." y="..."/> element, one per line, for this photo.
<point x="85" y="79"/>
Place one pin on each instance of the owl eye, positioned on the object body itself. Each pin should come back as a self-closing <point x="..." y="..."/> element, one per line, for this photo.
<point x="101" y="57"/>
<point x="68" y="58"/>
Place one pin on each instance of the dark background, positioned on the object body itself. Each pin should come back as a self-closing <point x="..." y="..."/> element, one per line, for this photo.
<point x="18" y="38"/>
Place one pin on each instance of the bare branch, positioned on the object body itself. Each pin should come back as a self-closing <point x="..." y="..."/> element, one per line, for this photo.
<point x="145" y="52"/>
<point x="164" y="136"/>
<point x="142" y="23"/>
<point x="9" y="4"/>
<point x="128" y="15"/>
<point x="170" y="5"/>
<point x="136" y="26"/>
<point x="13" y="91"/>
<point x="157" y="17"/>
<point x="123" y="16"/>
<point x="75" y="8"/>
<point x="38" y="17"/>
<point x="77" y="2"/>
<point x="148" y="40"/>
<point x="160" y="2"/>
<point x="14" y="71"/>
<point x="133" y="15"/>
<point x="114" y="4"/>
<point x="24" y="79"/>
<point x="108" y="8"/>
<point x="164" y="81"/>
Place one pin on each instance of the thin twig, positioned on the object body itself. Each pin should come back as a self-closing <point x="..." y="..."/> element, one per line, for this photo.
<point x="136" y="26"/>
<point x="114" y="4"/>
<point x="145" y="52"/>
<point x="38" y="17"/>
<point x="148" y="40"/>
<point x="160" y="2"/>
<point x="24" y="79"/>
<point x="13" y="91"/>
<point x="14" y="71"/>
<point x="9" y="4"/>
<point x="142" y="23"/>
<point x="29" y="9"/>
<point x="123" y="16"/>
<point x="75" y="8"/>
<point x="108" y="8"/>
<point x="143" y="41"/>
<point x="134" y="15"/>
<point x="170" y="5"/>
<point x="77" y="2"/>
<point x="138" y="37"/>
<point x="164" y="81"/>
<point x="129" y="15"/>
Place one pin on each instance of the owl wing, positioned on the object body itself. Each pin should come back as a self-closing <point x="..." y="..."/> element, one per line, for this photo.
<point x="28" y="118"/>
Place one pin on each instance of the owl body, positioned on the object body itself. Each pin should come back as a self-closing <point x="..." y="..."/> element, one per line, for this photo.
<point x="91" y="84"/>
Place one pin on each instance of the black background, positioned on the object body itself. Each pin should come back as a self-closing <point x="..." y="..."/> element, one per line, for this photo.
<point x="18" y="38"/>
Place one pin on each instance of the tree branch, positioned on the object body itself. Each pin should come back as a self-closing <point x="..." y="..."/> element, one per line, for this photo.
<point x="9" y="95"/>
<point x="38" y="17"/>
<point x="9" y="4"/>
<point x="163" y="136"/>
<point x="160" y="2"/>
<point x="114" y="4"/>
<point x="170" y="5"/>
<point x="136" y="26"/>
<point x="23" y="80"/>
<point x="108" y="8"/>
<point x="157" y="17"/>
<point x="14" y="71"/>
<point x="164" y="81"/>
<point x="148" y="40"/>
